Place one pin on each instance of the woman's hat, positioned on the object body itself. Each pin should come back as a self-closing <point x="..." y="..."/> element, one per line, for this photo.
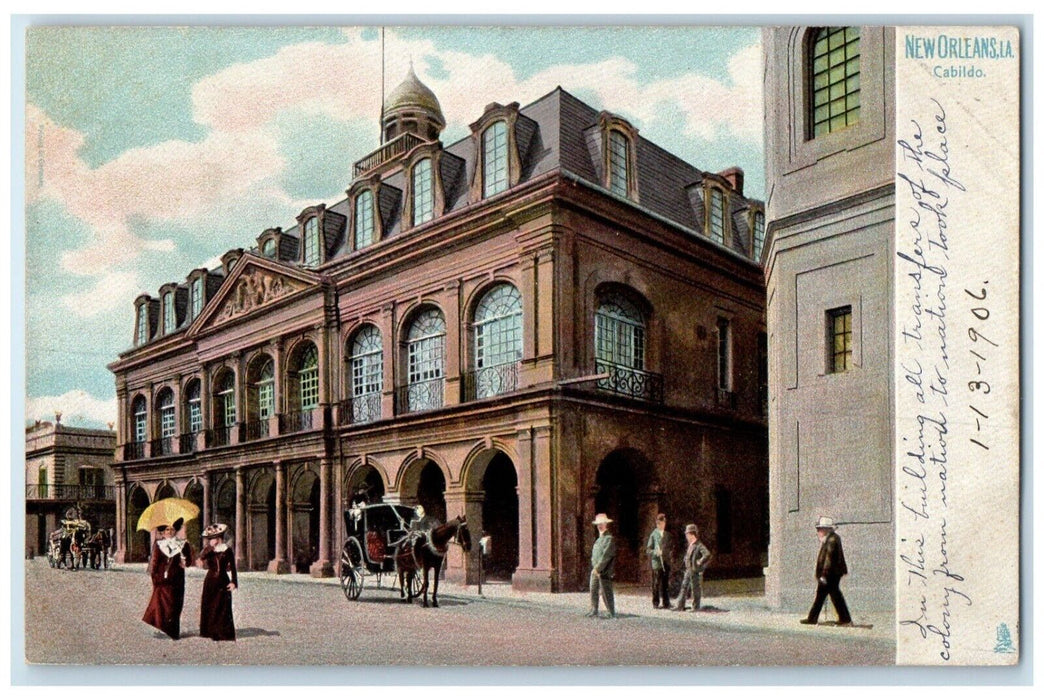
<point x="215" y="530"/>
<point x="825" y="523"/>
<point x="602" y="519"/>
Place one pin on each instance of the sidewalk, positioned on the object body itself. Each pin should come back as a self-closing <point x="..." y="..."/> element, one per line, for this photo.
<point x="736" y="604"/>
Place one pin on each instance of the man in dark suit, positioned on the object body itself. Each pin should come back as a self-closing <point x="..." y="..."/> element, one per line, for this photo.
<point x="830" y="567"/>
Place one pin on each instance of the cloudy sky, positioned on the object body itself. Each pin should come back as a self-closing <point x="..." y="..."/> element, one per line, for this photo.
<point x="152" y="151"/>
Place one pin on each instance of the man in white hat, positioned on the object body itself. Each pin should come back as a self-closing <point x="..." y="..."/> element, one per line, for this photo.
<point x="830" y="567"/>
<point x="603" y="558"/>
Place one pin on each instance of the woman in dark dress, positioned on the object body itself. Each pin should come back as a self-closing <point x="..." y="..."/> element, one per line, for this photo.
<point x="215" y="615"/>
<point x="170" y="556"/>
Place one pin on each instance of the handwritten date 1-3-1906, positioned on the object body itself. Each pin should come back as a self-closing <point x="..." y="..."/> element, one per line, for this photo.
<point x="979" y="385"/>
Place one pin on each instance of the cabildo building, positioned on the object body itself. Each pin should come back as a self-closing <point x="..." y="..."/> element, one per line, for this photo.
<point x="550" y="318"/>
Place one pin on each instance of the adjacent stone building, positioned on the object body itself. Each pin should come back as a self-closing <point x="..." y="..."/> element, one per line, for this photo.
<point x="67" y="475"/>
<point x="829" y="149"/>
<point x="550" y="318"/>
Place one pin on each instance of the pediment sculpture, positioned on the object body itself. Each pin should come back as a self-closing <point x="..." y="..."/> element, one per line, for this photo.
<point x="253" y="289"/>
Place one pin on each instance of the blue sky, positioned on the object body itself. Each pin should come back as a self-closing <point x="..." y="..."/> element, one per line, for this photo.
<point x="151" y="151"/>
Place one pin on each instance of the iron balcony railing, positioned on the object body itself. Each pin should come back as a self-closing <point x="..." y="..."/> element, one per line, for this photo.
<point x="163" y="446"/>
<point x="364" y="408"/>
<point x="726" y="398"/>
<point x="257" y="429"/>
<point x="296" y="421"/>
<point x="396" y="147"/>
<point x="133" y="450"/>
<point x="628" y="381"/>
<point x="421" y="396"/>
<point x="188" y="443"/>
<point x="70" y="492"/>
<point x="491" y="381"/>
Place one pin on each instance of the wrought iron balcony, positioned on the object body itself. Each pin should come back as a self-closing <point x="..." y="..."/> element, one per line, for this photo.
<point x="632" y="382"/>
<point x="163" y="446"/>
<point x="396" y="147"/>
<point x="133" y="450"/>
<point x="421" y="396"/>
<point x="188" y="443"/>
<point x="70" y="492"/>
<point x="364" y="408"/>
<point x="257" y="429"/>
<point x="491" y="381"/>
<point x="726" y="398"/>
<point x="296" y="421"/>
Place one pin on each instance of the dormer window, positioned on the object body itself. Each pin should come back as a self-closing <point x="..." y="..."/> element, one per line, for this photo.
<point x="619" y="162"/>
<point x="196" y="297"/>
<point x="758" y="227"/>
<point x="269" y="248"/>
<point x="312" y="256"/>
<point x="364" y="225"/>
<point x="495" y="159"/>
<point x="423" y="192"/>
<point x="169" y="315"/>
<point x="715" y="201"/>
<point x="142" y="335"/>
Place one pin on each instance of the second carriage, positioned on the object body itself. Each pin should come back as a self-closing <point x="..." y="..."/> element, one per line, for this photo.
<point x="375" y="533"/>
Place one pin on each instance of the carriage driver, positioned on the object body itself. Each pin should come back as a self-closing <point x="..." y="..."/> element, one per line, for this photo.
<point x="422" y="522"/>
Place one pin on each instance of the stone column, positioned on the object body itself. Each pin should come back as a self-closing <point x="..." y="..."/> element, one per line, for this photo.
<point x="207" y="514"/>
<point x="323" y="567"/>
<point x="535" y="544"/>
<point x="455" y="327"/>
<point x="461" y="567"/>
<point x="121" y="521"/>
<point x="241" y="524"/>
<point x="279" y="565"/>
<point x="205" y="407"/>
<point x="277" y="387"/>
<point x="390" y="351"/>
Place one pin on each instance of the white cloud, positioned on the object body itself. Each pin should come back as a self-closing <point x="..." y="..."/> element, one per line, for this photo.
<point x="77" y="408"/>
<point x="109" y="291"/>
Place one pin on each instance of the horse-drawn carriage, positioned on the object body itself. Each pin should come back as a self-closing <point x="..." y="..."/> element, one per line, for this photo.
<point x="380" y="542"/>
<point x="67" y="542"/>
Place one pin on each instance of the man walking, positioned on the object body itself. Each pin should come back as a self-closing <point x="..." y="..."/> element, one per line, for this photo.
<point x="659" y="549"/>
<point x="697" y="556"/>
<point x="603" y="558"/>
<point x="830" y="567"/>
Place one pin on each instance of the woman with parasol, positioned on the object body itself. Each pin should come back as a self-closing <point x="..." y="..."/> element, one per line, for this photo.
<point x="170" y="555"/>
<point x="215" y="615"/>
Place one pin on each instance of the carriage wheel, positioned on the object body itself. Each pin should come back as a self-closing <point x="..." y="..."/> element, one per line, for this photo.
<point x="351" y="573"/>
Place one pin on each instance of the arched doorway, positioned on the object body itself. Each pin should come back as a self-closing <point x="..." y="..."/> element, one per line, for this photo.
<point x="500" y="516"/>
<point x="261" y="510"/>
<point x="424" y="484"/>
<point x="225" y="508"/>
<point x="193" y="528"/>
<point x="304" y="521"/>
<point x="364" y="484"/>
<point x="622" y="487"/>
<point x="138" y="542"/>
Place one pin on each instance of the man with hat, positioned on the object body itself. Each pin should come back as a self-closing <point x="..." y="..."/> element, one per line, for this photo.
<point x="830" y="567"/>
<point x="697" y="556"/>
<point x="603" y="559"/>
<point x="658" y="547"/>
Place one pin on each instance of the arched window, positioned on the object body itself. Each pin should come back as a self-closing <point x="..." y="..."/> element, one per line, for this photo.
<point x="423" y="199"/>
<point x="226" y="400"/>
<point x="195" y="412"/>
<point x="833" y="74"/>
<point x="266" y="390"/>
<point x="716" y="215"/>
<point x="497" y="339"/>
<point x="619" y="163"/>
<point x="364" y="227"/>
<point x="141" y="417"/>
<point x="269" y="248"/>
<point x="367" y="361"/>
<point x="494" y="159"/>
<point x="308" y="376"/>
<point x="425" y="358"/>
<point x="759" y="234"/>
<point x="312" y="256"/>
<point x="165" y="402"/>
<point x="620" y="349"/>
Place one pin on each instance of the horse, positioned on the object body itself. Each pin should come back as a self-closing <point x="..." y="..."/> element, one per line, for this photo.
<point x="426" y="552"/>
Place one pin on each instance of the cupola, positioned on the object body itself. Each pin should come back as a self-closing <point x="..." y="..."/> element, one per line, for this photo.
<point x="412" y="107"/>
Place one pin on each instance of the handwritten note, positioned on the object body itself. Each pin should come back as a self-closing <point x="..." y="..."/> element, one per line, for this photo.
<point x="956" y="351"/>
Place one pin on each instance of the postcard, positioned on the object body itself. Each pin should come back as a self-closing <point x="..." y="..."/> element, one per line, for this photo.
<point x="528" y="346"/>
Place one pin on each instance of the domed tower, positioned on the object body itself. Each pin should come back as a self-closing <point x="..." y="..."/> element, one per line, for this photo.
<point x="412" y="107"/>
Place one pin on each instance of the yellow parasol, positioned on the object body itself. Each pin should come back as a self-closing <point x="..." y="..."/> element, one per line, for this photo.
<point x="166" y="511"/>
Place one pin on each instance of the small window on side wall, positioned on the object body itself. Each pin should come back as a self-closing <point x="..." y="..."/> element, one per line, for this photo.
<point x="839" y="339"/>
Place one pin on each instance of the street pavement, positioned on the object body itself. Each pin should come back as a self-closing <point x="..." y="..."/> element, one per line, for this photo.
<point x="94" y="617"/>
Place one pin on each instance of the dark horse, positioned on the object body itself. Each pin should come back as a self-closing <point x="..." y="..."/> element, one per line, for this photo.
<point x="426" y="552"/>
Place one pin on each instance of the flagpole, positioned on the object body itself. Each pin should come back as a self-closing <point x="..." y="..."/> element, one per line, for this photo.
<point x="382" y="86"/>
